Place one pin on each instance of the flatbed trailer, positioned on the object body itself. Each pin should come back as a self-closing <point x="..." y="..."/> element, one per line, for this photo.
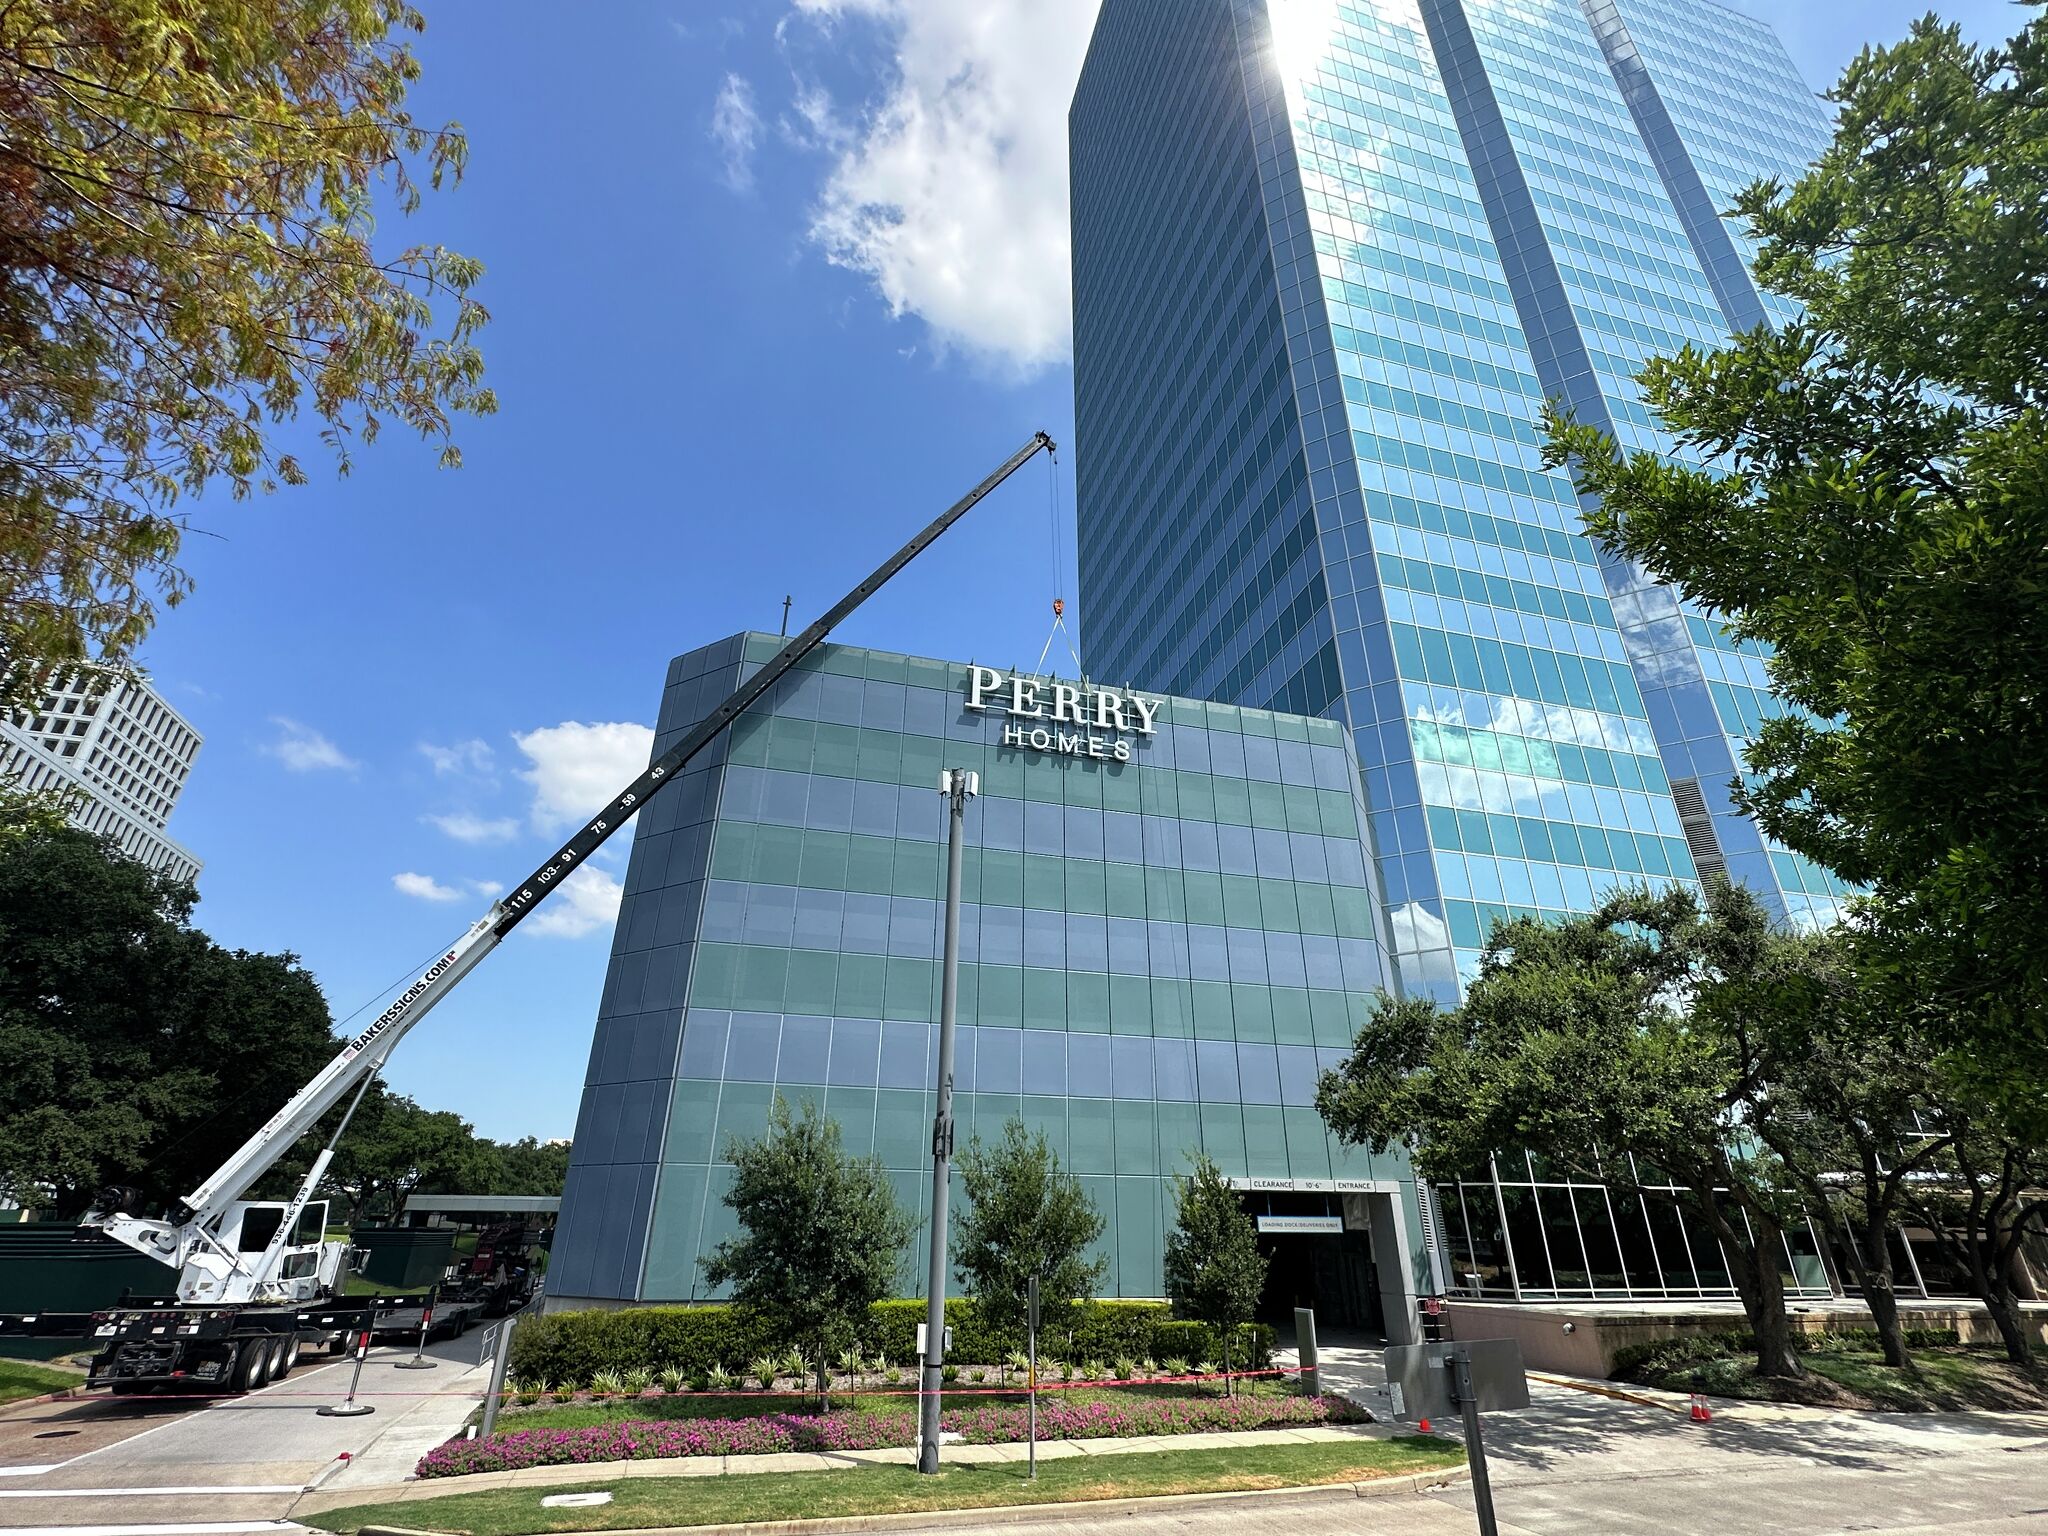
<point x="165" y="1345"/>
<point x="443" y="1318"/>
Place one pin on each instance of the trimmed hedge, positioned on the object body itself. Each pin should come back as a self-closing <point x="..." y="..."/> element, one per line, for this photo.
<point x="1659" y="1357"/>
<point x="568" y="1348"/>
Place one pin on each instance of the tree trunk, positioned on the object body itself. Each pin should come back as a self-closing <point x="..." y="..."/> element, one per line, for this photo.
<point x="2012" y="1328"/>
<point x="1883" y="1302"/>
<point x="1754" y="1268"/>
<point x="824" y="1379"/>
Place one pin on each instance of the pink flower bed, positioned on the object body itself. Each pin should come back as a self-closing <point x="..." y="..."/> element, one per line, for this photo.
<point x="661" y="1439"/>
<point x="1002" y="1423"/>
<point x="846" y="1430"/>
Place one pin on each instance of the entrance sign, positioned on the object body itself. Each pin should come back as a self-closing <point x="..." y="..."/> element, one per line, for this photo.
<point x="1099" y="719"/>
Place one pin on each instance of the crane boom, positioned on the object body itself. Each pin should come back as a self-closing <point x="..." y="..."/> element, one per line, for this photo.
<point x="188" y="1243"/>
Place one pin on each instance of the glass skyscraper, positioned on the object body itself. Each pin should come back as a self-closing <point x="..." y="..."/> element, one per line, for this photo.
<point x="1330" y="257"/>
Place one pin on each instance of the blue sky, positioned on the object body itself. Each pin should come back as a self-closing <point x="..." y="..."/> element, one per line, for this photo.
<point x="771" y="285"/>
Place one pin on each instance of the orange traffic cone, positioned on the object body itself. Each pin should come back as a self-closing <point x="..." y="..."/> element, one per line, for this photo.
<point x="1423" y="1426"/>
<point x="1701" y="1413"/>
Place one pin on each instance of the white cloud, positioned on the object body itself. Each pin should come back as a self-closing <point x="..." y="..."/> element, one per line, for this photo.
<point x="471" y="757"/>
<point x="736" y="129"/>
<point x="487" y="887"/>
<point x="467" y="827"/>
<point x="304" y="750"/>
<point x="952" y="196"/>
<point x="577" y="768"/>
<point x="586" y="902"/>
<point x="424" y="887"/>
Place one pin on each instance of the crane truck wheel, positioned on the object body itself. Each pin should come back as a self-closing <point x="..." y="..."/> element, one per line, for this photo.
<point x="274" y="1367"/>
<point x="291" y="1355"/>
<point x="252" y="1366"/>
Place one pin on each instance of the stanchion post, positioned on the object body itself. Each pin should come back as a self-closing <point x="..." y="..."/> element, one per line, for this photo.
<point x="419" y="1360"/>
<point x="348" y="1407"/>
<point x="495" y="1393"/>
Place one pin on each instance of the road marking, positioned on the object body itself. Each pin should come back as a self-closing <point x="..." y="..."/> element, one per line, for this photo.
<point x="157" y="1530"/>
<point x="30" y="1471"/>
<point x="146" y="1493"/>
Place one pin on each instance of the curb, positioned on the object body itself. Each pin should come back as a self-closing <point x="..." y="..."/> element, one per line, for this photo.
<point x="64" y="1396"/>
<point x="1029" y="1514"/>
<point x="1616" y="1393"/>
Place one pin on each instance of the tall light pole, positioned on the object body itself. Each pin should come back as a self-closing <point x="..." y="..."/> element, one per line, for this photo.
<point x="956" y="784"/>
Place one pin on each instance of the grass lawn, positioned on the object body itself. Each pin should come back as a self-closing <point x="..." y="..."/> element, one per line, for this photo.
<point x="18" y="1379"/>
<point x="649" y="1501"/>
<point x="743" y="1405"/>
<point x="1940" y="1378"/>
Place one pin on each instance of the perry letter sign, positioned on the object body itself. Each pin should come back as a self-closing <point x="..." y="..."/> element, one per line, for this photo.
<point x="1100" y="718"/>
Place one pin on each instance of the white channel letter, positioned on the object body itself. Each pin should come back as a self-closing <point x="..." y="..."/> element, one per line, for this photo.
<point x="1148" y="710"/>
<point x="1024" y="698"/>
<point x="1109" y="709"/>
<point x="981" y="681"/>
<point x="1066" y="703"/>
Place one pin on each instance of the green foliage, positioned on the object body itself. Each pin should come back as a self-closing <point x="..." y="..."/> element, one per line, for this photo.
<point x="1649" y="1362"/>
<point x="1876" y="517"/>
<point x="1025" y="1215"/>
<point x="573" y="1346"/>
<point x="820" y="1232"/>
<point x="1214" y="1270"/>
<point x="1571" y="1042"/>
<point x="190" y="194"/>
<point x="137" y="1050"/>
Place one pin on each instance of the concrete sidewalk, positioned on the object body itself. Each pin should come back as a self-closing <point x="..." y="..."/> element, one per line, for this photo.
<point x="334" y="1494"/>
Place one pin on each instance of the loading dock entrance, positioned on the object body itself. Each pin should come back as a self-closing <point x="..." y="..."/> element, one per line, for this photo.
<point x="1343" y="1253"/>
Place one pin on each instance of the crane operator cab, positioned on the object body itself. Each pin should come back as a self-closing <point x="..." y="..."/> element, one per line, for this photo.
<point x="304" y="1267"/>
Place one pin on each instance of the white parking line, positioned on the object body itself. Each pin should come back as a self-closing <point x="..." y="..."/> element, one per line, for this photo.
<point x="146" y="1493"/>
<point x="280" y="1526"/>
<point x="30" y="1471"/>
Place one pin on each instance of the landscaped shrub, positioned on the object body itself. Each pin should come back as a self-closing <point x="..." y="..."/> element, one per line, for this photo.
<point x="575" y="1346"/>
<point x="987" y="1424"/>
<point x="1660" y="1357"/>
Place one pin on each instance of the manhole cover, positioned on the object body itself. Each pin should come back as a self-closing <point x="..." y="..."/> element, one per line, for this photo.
<point x="55" y="1434"/>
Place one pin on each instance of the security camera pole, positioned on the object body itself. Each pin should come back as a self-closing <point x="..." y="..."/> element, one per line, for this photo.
<point x="956" y="784"/>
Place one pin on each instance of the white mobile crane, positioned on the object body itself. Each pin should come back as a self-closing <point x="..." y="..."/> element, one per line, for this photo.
<point x="256" y="1279"/>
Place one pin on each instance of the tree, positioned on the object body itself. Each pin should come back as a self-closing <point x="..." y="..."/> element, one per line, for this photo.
<point x="1874" y="511"/>
<point x="393" y="1148"/>
<point x="1214" y="1270"/>
<point x="527" y="1166"/>
<point x="1025" y="1216"/>
<point x="1842" y="1093"/>
<point x="1573" y="1042"/>
<point x="821" y="1234"/>
<point x="186" y="207"/>
<point x="1981" y="1207"/>
<point x="133" y="1049"/>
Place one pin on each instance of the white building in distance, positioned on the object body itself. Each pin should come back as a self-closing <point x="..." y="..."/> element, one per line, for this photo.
<point x="116" y="751"/>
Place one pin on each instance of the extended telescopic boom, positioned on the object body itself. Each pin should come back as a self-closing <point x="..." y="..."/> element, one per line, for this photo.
<point x="188" y="1243"/>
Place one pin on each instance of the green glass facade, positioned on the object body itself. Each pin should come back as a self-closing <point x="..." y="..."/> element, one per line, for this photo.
<point x="1158" y="955"/>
